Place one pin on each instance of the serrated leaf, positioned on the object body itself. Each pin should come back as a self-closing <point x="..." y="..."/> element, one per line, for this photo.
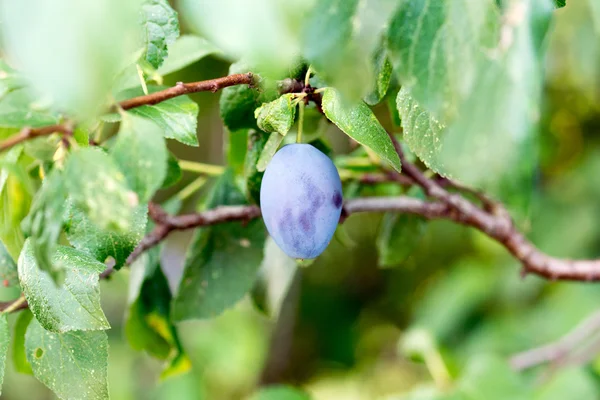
<point x="177" y="116"/>
<point x="173" y="174"/>
<point x="185" y="51"/>
<point x="280" y="393"/>
<point x="73" y="364"/>
<point x="482" y="82"/>
<point x="76" y="81"/>
<point x="87" y="237"/>
<point x="382" y="71"/>
<point x="399" y="235"/>
<point x="148" y="326"/>
<point x="8" y="268"/>
<point x="45" y="220"/>
<point x="19" y="355"/>
<point x="97" y="186"/>
<point x="277" y="115"/>
<point x="141" y="154"/>
<point x="358" y="121"/>
<point x="268" y="151"/>
<point x="422" y="132"/>
<point x="237" y="103"/>
<point x="161" y="27"/>
<point x="4" y="342"/>
<point x="253" y="177"/>
<point x="73" y="306"/>
<point x="222" y="262"/>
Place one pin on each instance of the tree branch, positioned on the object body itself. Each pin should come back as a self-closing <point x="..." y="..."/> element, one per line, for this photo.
<point x="28" y="133"/>
<point x="211" y="85"/>
<point x="560" y="352"/>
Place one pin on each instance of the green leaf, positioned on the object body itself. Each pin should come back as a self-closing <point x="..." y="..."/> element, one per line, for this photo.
<point x="94" y="44"/>
<point x="19" y="355"/>
<point x="268" y="151"/>
<point x="4" y="342"/>
<point x="99" y="188"/>
<point x="570" y="382"/>
<point x="73" y="306"/>
<point x="148" y="326"/>
<point x="236" y="146"/>
<point x="10" y="79"/>
<point x="422" y="132"/>
<point x="237" y="103"/>
<point x="18" y="109"/>
<point x="358" y="121"/>
<point x="42" y="148"/>
<point x="73" y="364"/>
<point x="560" y="3"/>
<point x="398" y="237"/>
<point x="222" y="262"/>
<point x="8" y="268"/>
<point x="280" y="393"/>
<point x="87" y="237"/>
<point x="253" y="177"/>
<point x="177" y="116"/>
<point x="185" y="51"/>
<point x="277" y="115"/>
<point x="382" y="70"/>
<point x="141" y="154"/>
<point x="161" y="28"/>
<point x="45" y="220"/>
<point x="173" y="174"/>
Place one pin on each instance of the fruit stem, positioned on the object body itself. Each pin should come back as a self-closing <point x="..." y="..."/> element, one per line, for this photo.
<point x="201" y="168"/>
<point x="191" y="188"/>
<point x="300" y="122"/>
<point x="307" y="76"/>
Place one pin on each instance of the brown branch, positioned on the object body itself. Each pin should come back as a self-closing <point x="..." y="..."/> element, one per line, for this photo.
<point x="28" y="133"/>
<point x="560" y="351"/>
<point x="211" y="85"/>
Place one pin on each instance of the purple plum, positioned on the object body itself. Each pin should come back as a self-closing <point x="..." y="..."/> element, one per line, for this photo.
<point x="301" y="200"/>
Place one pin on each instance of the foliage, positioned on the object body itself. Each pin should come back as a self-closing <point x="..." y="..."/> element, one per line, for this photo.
<point x="492" y="96"/>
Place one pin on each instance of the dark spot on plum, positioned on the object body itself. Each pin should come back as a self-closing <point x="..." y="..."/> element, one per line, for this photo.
<point x="337" y="199"/>
<point x="305" y="222"/>
<point x="285" y="220"/>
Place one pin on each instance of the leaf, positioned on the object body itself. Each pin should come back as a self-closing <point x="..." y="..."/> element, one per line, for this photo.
<point x="185" y="51"/>
<point x="422" y="132"/>
<point x="19" y="354"/>
<point x="141" y="154"/>
<point x="280" y="392"/>
<point x="73" y="306"/>
<point x="161" y="28"/>
<point x="269" y="151"/>
<point x="4" y="342"/>
<point x="253" y="177"/>
<point x="173" y="174"/>
<point x="570" y="382"/>
<point x="277" y="115"/>
<point x="73" y="364"/>
<point x="481" y="81"/>
<point x="237" y="103"/>
<point x="8" y="268"/>
<point x="275" y="278"/>
<point x="42" y="148"/>
<point x="99" y="188"/>
<point x="45" y="220"/>
<point x="148" y="325"/>
<point x="18" y="109"/>
<point x="222" y="262"/>
<point x="382" y="76"/>
<point x="236" y="147"/>
<point x="358" y="121"/>
<point x="398" y="237"/>
<point x="177" y="116"/>
<point x="94" y="43"/>
<point x="87" y="237"/>
<point x="560" y="3"/>
<point x="10" y="79"/>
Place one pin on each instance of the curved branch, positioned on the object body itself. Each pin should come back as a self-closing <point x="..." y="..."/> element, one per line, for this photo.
<point x="28" y="133"/>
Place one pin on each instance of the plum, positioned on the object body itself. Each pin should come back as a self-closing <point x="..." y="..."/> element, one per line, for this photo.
<point x="301" y="200"/>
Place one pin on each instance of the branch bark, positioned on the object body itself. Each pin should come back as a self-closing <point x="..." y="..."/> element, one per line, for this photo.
<point x="29" y="133"/>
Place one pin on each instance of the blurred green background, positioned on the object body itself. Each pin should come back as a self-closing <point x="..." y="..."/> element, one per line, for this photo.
<point x="352" y="333"/>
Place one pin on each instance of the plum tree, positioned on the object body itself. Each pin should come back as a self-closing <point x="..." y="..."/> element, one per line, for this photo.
<point x="301" y="200"/>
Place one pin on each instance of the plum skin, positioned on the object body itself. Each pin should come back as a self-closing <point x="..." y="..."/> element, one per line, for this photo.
<point x="301" y="200"/>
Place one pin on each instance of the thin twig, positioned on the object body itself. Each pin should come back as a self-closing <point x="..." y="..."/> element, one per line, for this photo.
<point x="558" y="352"/>
<point x="211" y="85"/>
<point x="29" y="133"/>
